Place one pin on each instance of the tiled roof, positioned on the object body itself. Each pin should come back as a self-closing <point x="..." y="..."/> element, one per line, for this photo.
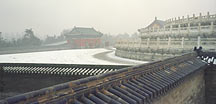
<point x="58" y="69"/>
<point x="159" y="22"/>
<point x="134" y="85"/>
<point x="84" y="32"/>
<point x="156" y="21"/>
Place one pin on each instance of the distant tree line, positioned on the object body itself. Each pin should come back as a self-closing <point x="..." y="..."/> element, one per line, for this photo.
<point x="53" y="39"/>
<point x="29" y="39"/>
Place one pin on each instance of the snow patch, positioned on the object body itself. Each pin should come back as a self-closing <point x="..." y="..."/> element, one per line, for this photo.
<point x="75" y="56"/>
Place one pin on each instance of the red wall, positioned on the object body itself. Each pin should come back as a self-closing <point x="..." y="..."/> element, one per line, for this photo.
<point x="85" y="43"/>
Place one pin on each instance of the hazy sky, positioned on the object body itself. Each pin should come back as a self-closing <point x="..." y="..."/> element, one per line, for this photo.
<point x="48" y="17"/>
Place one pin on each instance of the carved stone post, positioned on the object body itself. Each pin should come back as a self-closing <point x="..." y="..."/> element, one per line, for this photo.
<point x="128" y="44"/>
<point x="148" y="40"/>
<point x="188" y="29"/>
<point x="188" y="17"/>
<point x="158" y="42"/>
<point x="208" y="15"/>
<point x="212" y="27"/>
<point x="182" y="43"/>
<point x="171" y="29"/>
<point x="193" y="16"/>
<point x="199" y="28"/>
<point x="198" y="42"/>
<point x="200" y="16"/>
<point x="169" y="42"/>
<point x="179" y="28"/>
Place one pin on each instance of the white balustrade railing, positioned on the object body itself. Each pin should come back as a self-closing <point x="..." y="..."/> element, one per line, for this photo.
<point x="183" y="43"/>
<point x="187" y="19"/>
<point x="182" y="30"/>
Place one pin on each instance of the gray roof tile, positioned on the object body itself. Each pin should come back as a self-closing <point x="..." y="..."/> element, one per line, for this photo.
<point x="84" y="32"/>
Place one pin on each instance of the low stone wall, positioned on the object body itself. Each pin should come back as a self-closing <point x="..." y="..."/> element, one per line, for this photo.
<point x="191" y="91"/>
<point x="210" y="82"/>
<point x="143" y="56"/>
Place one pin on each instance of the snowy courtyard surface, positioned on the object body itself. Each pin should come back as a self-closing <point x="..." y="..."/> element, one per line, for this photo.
<point x="76" y="56"/>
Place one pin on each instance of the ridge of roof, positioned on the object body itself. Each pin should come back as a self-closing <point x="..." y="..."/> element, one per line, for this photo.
<point x="156" y="21"/>
<point x="84" y="31"/>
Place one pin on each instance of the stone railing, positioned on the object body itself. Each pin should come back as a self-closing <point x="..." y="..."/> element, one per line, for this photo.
<point x="182" y="31"/>
<point x="163" y="47"/>
<point x="190" y="26"/>
<point x="191" y="19"/>
<point x="169" y="42"/>
<point x="174" y="38"/>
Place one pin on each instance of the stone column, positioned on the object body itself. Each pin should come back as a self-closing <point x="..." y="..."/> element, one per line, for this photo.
<point x="128" y="44"/>
<point x="188" y="29"/>
<point x="188" y="17"/>
<point x="171" y="29"/>
<point x="199" y="27"/>
<point x="212" y="27"/>
<point x="200" y="16"/>
<point x="158" y="42"/>
<point x="179" y="28"/>
<point x="140" y="44"/>
<point x="193" y="16"/>
<point x="134" y="44"/>
<point x="198" y="42"/>
<point x="208" y="15"/>
<point x="169" y="42"/>
<point x="182" y="43"/>
<point x="148" y="40"/>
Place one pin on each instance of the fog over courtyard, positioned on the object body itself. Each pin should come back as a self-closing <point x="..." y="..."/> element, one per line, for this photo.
<point x="50" y="17"/>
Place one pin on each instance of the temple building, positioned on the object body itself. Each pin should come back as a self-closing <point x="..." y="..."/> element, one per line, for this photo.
<point x="200" y="25"/>
<point x="163" y="39"/>
<point x="156" y="24"/>
<point x="81" y="37"/>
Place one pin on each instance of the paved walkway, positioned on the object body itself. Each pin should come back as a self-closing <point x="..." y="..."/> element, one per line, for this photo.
<point x="105" y="56"/>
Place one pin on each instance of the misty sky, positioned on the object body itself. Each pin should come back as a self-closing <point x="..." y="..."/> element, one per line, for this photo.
<point x="48" y="17"/>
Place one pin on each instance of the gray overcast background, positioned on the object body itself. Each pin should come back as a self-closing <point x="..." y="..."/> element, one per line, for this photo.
<point x="49" y="17"/>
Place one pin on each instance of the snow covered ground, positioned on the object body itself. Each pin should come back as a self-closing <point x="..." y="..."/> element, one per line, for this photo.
<point x="77" y="56"/>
